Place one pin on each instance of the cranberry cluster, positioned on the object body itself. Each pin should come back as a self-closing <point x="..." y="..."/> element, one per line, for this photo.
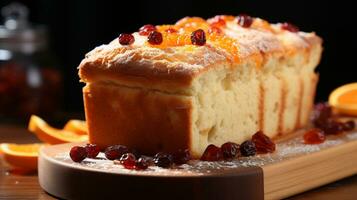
<point x="130" y="159"/>
<point x="78" y="153"/>
<point x="260" y="143"/>
<point x="325" y="124"/>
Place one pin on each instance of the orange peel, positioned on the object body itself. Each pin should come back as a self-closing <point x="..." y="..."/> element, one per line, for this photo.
<point x="51" y="135"/>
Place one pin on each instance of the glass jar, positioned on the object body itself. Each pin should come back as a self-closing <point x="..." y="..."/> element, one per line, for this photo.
<point x="29" y="82"/>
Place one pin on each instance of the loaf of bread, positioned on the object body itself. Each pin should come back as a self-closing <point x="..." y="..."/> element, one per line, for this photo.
<point x="180" y="95"/>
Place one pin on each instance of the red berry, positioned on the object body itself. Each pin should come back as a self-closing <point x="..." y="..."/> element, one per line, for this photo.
<point x="230" y="150"/>
<point x="314" y="136"/>
<point x="212" y="153"/>
<point x="321" y="113"/>
<point x="163" y="160"/>
<point x="290" y="27"/>
<point x="332" y="127"/>
<point x="349" y="125"/>
<point x="155" y="38"/>
<point x="78" y="153"/>
<point x="141" y="164"/>
<point x="244" y="20"/>
<point x="247" y="148"/>
<point x="198" y="37"/>
<point x="115" y="152"/>
<point x="126" y="39"/>
<point x="92" y="150"/>
<point x="181" y="156"/>
<point x="171" y="30"/>
<point x="146" y="29"/>
<point x="263" y="143"/>
<point x="128" y="160"/>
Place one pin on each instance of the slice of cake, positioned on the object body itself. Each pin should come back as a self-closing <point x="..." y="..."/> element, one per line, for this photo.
<point x="200" y="82"/>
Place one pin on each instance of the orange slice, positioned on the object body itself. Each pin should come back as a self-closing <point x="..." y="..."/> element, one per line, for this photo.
<point x="21" y="155"/>
<point x="77" y="126"/>
<point x="51" y="135"/>
<point x="344" y="99"/>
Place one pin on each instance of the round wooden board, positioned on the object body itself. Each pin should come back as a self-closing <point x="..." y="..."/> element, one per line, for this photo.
<point x="69" y="180"/>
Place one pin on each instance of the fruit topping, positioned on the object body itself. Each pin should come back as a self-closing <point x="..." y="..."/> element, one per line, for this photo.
<point x="198" y="37"/>
<point x="349" y="125"/>
<point x="163" y="160"/>
<point x="244" y="20"/>
<point x="146" y="29"/>
<point x="212" y="153"/>
<point x="230" y="150"/>
<point x="314" y="136"/>
<point x="171" y="30"/>
<point x="92" y="150"/>
<point x="155" y="38"/>
<point x="128" y="160"/>
<point x="78" y="153"/>
<point x="217" y="21"/>
<point x="126" y="39"/>
<point x="263" y="143"/>
<point x="181" y="156"/>
<point x="214" y="30"/>
<point x="322" y="112"/>
<point x="289" y="27"/>
<point x="141" y="164"/>
<point x="115" y="152"/>
<point x="332" y="127"/>
<point x="247" y="148"/>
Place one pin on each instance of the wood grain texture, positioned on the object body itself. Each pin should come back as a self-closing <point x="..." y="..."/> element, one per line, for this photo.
<point x="309" y="171"/>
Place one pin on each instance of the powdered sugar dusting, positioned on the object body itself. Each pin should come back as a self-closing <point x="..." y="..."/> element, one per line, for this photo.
<point x="285" y="150"/>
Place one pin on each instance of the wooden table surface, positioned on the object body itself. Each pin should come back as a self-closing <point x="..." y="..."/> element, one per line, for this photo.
<point x="13" y="185"/>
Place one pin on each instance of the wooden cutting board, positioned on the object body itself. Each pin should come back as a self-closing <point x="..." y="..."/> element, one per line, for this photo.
<point x="292" y="169"/>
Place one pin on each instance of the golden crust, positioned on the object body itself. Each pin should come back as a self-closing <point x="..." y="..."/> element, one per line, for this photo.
<point x="175" y="67"/>
<point x="147" y="121"/>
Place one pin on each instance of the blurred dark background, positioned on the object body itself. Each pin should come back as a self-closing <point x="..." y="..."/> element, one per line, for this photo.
<point x="77" y="26"/>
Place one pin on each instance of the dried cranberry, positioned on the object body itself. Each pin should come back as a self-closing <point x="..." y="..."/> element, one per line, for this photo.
<point x="128" y="160"/>
<point x="146" y="29"/>
<point x="155" y="38"/>
<point x="78" y="153"/>
<point x="163" y="160"/>
<point x="244" y="20"/>
<point x="314" y="136"/>
<point x="141" y="164"/>
<point x="290" y="27"/>
<point x="247" y="148"/>
<point x="149" y="160"/>
<point x="230" y="150"/>
<point x="171" y="30"/>
<point x="332" y="127"/>
<point x="263" y="143"/>
<point x="92" y="150"/>
<point x="349" y="125"/>
<point x="212" y="153"/>
<point x="321" y="113"/>
<point x="136" y="153"/>
<point x="115" y="152"/>
<point x="181" y="156"/>
<point x="198" y="37"/>
<point x="126" y="39"/>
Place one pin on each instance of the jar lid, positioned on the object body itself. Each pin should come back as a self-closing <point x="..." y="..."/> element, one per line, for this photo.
<point x="17" y="34"/>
